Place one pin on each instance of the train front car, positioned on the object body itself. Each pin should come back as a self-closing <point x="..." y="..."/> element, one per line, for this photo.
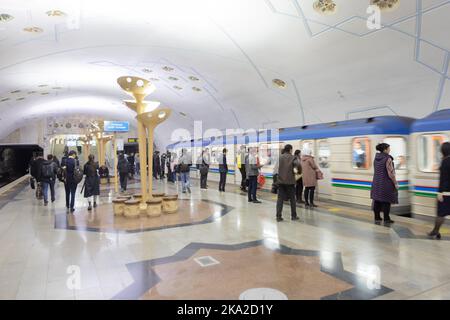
<point x="344" y="152"/>
<point x="427" y="135"/>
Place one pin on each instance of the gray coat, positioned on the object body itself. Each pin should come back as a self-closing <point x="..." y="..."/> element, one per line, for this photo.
<point x="250" y="167"/>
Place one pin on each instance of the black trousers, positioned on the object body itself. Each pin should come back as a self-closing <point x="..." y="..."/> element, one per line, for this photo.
<point x="299" y="190"/>
<point x="71" y="189"/>
<point x="384" y="207"/>
<point x="203" y="180"/>
<point x="309" y="195"/>
<point x="252" y="187"/>
<point x="244" y="177"/>
<point x="123" y="180"/>
<point x="170" y="176"/>
<point x="286" y="191"/>
<point x="222" y="181"/>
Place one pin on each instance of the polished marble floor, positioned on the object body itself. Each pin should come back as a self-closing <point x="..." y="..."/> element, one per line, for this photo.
<point x="333" y="252"/>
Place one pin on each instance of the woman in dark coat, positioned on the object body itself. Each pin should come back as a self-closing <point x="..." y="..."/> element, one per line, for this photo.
<point x="443" y="196"/>
<point x="384" y="185"/>
<point x="92" y="181"/>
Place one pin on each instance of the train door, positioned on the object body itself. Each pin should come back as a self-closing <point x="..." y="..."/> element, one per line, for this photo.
<point x="323" y="161"/>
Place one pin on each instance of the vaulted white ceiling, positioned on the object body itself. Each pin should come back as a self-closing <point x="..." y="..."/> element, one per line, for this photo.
<point x="333" y="65"/>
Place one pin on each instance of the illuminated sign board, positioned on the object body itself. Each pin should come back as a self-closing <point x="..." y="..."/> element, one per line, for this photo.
<point x="116" y="126"/>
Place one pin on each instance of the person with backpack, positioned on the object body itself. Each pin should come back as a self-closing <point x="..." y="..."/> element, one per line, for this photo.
<point x="73" y="176"/>
<point x="36" y="166"/>
<point x="122" y="168"/>
<point x="92" y="181"/>
<point x="47" y="178"/>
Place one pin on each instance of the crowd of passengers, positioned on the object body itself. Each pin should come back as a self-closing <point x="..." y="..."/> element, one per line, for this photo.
<point x="295" y="177"/>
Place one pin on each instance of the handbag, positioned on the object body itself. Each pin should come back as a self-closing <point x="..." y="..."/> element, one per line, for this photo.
<point x="297" y="175"/>
<point x="32" y="183"/>
<point x="319" y="175"/>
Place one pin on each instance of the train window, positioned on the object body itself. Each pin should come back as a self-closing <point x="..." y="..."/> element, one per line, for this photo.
<point x="324" y="154"/>
<point x="398" y="151"/>
<point x="429" y="154"/>
<point x="360" y="153"/>
<point x="268" y="153"/>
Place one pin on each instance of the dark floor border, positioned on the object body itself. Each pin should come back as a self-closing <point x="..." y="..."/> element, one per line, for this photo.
<point x="62" y="223"/>
<point x="145" y="277"/>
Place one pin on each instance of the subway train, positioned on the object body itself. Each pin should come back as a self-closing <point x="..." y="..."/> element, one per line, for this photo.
<point x="344" y="151"/>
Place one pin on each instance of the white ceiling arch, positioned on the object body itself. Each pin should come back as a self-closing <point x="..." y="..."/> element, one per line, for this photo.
<point x="333" y="66"/>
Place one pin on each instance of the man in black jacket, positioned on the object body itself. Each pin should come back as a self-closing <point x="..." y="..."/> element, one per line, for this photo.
<point x="286" y="182"/>
<point x="223" y="170"/>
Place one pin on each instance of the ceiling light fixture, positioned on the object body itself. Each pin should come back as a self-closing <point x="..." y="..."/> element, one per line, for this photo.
<point x="4" y="17"/>
<point x="167" y="68"/>
<point x="31" y="92"/>
<point x="173" y="78"/>
<point x="43" y="85"/>
<point x="44" y="93"/>
<point x="193" y="78"/>
<point x="20" y="99"/>
<point x="177" y="87"/>
<point x="196" y="89"/>
<point x="33" y="30"/>
<point x="55" y="13"/>
<point x="15" y="91"/>
<point x="325" y="7"/>
<point x="4" y="99"/>
<point x="146" y="70"/>
<point x="279" y="83"/>
<point x="154" y="79"/>
<point x="386" y="5"/>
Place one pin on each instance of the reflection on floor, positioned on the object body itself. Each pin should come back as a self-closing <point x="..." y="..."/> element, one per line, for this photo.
<point x="333" y="252"/>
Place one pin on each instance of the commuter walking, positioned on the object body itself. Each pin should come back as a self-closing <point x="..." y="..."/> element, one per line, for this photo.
<point x="35" y="169"/>
<point x="443" y="196"/>
<point x="91" y="181"/>
<point x="47" y="178"/>
<point x="203" y="166"/>
<point x="310" y="173"/>
<point x="223" y="170"/>
<point x="184" y="164"/>
<point x="252" y="169"/>
<point x="71" y="179"/>
<point x="122" y="168"/>
<point x="384" y="190"/>
<point x="286" y="182"/>
<point x="299" y="181"/>
<point x="241" y="166"/>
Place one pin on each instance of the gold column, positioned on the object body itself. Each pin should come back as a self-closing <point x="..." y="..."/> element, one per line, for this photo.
<point x="149" y="115"/>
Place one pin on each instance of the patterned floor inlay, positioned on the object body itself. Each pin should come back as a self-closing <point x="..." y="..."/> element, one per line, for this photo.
<point x="102" y="219"/>
<point x="294" y="273"/>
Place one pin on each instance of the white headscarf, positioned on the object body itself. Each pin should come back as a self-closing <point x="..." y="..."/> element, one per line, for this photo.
<point x="306" y="152"/>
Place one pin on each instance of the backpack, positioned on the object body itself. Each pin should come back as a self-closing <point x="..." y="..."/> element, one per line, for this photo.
<point x="77" y="174"/>
<point x="61" y="174"/>
<point x="47" y="171"/>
